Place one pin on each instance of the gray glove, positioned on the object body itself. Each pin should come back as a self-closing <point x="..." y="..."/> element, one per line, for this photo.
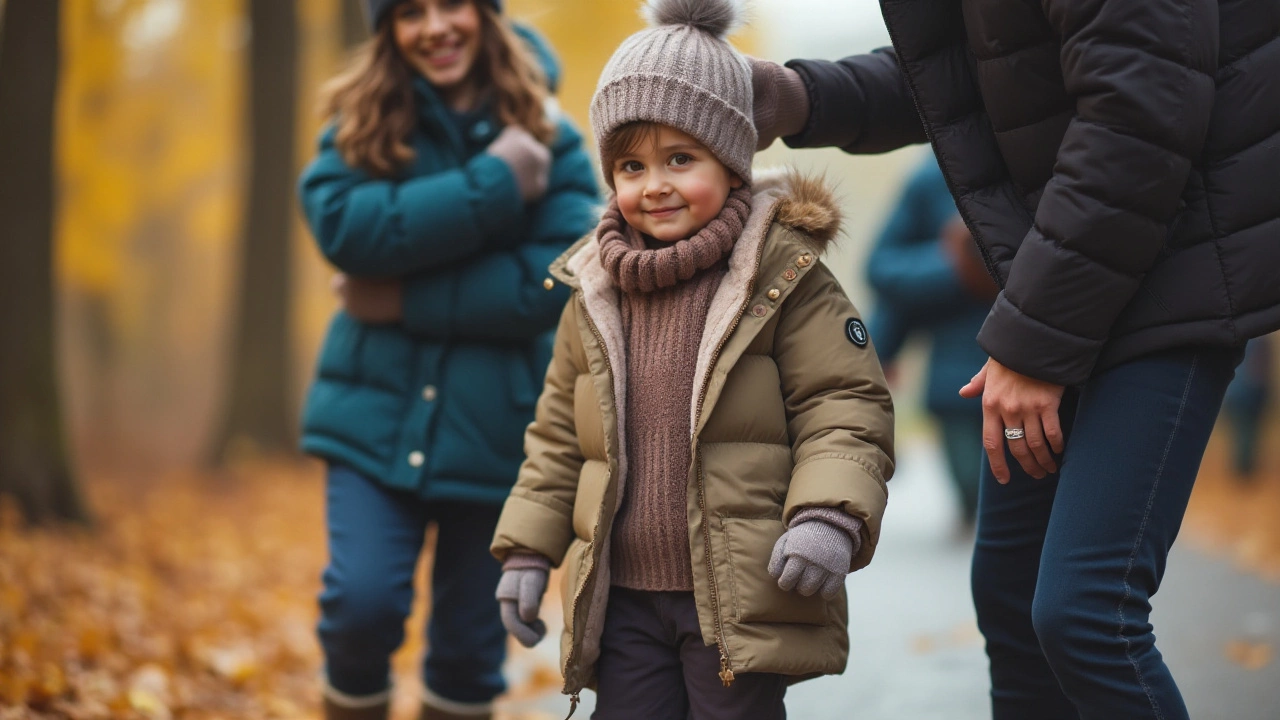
<point x="781" y="101"/>
<point x="524" y="580"/>
<point x="529" y="160"/>
<point x="815" y="554"/>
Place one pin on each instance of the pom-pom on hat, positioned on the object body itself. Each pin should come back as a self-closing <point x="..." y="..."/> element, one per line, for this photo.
<point x="682" y="72"/>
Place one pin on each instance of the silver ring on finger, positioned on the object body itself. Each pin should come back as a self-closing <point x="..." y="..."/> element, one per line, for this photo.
<point x="1014" y="433"/>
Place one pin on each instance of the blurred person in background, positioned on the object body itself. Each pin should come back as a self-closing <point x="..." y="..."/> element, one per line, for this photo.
<point x="929" y="279"/>
<point x="1116" y="164"/>
<point x="1246" y="403"/>
<point x="442" y="190"/>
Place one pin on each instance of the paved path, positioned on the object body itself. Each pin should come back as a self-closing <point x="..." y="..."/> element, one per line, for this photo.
<point x="922" y="658"/>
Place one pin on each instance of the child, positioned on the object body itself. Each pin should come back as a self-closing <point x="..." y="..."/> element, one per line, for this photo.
<point x="442" y="191"/>
<point x="709" y="454"/>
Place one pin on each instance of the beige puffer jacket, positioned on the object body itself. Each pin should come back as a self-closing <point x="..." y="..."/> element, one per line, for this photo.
<point x="790" y="410"/>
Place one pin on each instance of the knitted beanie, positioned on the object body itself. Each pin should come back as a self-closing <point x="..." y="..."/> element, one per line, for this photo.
<point x="682" y="72"/>
<point x="375" y="10"/>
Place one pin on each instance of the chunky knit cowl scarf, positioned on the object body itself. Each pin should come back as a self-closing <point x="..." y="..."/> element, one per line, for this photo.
<point x="666" y="292"/>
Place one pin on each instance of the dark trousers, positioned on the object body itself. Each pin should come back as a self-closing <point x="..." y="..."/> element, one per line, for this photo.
<point x="653" y="666"/>
<point x="375" y="537"/>
<point x="1064" y="568"/>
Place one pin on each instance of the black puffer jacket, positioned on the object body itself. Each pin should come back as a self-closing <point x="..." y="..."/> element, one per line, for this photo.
<point x="1118" y="162"/>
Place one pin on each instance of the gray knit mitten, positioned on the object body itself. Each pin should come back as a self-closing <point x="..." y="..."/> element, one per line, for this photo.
<point x="529" y="160"/>
<point x="780" y="106"/>
<point x="524" y="580"/>
<point x="815" y="553"/>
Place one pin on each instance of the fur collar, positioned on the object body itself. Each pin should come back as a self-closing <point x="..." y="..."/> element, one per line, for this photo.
<point x="808" y="205"/>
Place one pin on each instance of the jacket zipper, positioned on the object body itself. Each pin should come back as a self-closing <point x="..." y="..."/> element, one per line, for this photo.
<point x="575" y="695"/>
<point x="726" y="664"/>
<point x="726" y="669"/>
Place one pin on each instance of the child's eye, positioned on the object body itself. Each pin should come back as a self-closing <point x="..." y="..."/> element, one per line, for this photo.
<point x="680" y="159"/>
<point x="407" y="11"/>
<point x="631" y="166"/>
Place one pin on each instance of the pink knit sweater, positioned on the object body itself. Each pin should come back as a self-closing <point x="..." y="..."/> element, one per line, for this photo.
<point x="666" y="292"/>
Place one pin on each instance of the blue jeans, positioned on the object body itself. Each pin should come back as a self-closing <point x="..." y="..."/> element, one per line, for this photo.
<point x="1064" y="568"/>
<point x="375" y="537"/>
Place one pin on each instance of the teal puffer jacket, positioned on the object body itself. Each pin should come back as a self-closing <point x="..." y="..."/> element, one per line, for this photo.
<point x="437" y="404"/>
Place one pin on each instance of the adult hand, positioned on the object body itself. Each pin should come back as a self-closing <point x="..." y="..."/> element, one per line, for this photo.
<point x="529" y="160"/>
<point x="519" y="596"/>
<point x="780" y="104"/>
<point x="966" y="260"/>
<point x="1014" y="401"/>
<point x="371" y="300"/>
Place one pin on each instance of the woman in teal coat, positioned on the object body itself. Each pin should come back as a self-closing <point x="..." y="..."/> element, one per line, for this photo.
<point x="442" y="191"/>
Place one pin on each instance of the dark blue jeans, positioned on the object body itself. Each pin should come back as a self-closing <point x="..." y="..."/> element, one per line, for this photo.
<point x="1064" y="568"/>
<point x="375" y="537"/>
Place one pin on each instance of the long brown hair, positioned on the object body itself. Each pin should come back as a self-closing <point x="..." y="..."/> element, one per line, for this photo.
<point x="372" y="100"/>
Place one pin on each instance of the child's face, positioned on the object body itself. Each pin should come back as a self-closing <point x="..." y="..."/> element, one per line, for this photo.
<point x="440" y="39"/>
<point x="671" y="186"/>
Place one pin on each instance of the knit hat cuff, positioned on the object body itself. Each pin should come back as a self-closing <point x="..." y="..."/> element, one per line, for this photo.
<point x="725" y="130"/>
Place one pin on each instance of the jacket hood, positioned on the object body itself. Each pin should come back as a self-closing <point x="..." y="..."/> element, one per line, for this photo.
<point x="803" y="203"/>
<point x="542" y="51"/>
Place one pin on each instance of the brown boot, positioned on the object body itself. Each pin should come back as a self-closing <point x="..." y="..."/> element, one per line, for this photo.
<point x="334" y="711"/>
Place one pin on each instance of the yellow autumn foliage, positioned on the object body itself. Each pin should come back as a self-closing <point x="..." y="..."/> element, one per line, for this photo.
<point x="148" y="137"/>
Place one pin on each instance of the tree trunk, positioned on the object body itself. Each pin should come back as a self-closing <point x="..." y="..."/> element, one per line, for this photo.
<point x="354" y="31"/>
<point x="34" y="463"/>
<point x="259" y="416"/>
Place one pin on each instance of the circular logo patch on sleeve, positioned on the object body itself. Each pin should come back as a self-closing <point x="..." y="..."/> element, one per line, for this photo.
<point x="856" y="332"/>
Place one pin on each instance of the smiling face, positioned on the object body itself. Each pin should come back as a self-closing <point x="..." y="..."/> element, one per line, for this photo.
<point x="669" y="185"/>
<point x="440" y="39"/>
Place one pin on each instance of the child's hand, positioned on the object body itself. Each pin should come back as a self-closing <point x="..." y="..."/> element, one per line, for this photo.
<point x="529" y="160"/>
<point x="520" y="594"/>
<point x="812" y="555"/>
